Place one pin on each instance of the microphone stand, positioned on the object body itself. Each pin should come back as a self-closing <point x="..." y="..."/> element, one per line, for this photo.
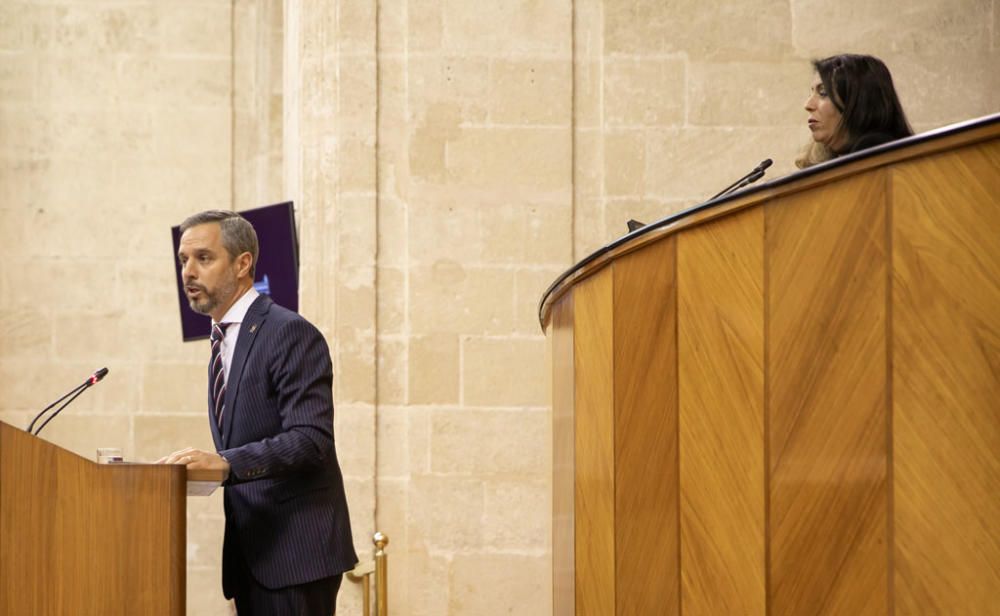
<point x="79" y="391"/>
<point x="750" y="178"/>
<point x="755" y="174"/>
<point x="72" y="395"/>
<point x="76" y="390"/>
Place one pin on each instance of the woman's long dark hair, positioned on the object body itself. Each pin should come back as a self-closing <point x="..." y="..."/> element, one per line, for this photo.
<point x="861" y="89"/>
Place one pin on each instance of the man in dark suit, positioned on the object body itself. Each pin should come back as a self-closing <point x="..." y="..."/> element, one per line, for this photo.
<point x="288" y="536"/>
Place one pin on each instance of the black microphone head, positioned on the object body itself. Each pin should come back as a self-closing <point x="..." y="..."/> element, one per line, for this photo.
<point x="97" y="376"/>
<point x="764" y="164"/>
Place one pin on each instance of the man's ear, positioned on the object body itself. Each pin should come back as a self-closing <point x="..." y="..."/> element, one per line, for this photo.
<point x="243" y="263"/>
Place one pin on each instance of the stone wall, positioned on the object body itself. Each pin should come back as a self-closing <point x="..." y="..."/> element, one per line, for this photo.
<point x="448" y="160"/>
<point x="115" y="123"/>
<point x="676" y="100"/>
<point x="474" y="220"/>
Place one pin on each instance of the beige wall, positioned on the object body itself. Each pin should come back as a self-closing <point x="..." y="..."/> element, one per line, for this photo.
<point x="448" y="159"/>
<point x="115" y="122"/>
<point x="675" y="100"/>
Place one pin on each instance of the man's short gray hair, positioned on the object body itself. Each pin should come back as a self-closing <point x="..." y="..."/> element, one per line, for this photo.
<point x="238" y="235"/>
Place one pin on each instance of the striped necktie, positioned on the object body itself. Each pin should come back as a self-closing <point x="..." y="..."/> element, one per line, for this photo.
<point x="217" y="371"/>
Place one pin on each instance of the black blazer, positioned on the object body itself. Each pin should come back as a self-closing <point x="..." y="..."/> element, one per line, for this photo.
<point x="869" y="141"/>
<point x="286" y="511"/>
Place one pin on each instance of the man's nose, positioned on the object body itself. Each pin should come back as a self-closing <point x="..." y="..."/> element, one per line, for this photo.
<point x="187" y="269"/>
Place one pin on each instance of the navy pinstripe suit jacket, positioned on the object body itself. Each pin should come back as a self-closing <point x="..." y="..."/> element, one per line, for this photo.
<point x="286" y="512"/>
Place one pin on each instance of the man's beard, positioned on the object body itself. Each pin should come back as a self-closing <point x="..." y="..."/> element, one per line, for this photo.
<point x="212" y="299"/>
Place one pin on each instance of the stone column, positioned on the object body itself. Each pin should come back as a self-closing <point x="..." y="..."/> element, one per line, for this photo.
<point x="329" y="171"/>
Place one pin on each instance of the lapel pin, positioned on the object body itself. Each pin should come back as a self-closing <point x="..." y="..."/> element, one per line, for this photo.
<point x="253" y="328"/>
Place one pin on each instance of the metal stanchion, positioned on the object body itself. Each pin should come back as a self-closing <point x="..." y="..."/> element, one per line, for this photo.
<point x="381" y="575"/>
<point x="379" y="567"/>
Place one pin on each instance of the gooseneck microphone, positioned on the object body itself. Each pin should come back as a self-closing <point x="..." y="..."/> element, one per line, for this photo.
<point x="72" y="395"/>
<point x="755" y="174"/>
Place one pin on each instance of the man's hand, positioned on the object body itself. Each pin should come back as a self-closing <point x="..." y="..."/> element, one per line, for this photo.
<point x="197" y="459"/>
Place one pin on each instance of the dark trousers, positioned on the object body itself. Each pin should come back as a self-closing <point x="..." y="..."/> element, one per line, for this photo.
<point x="318" y="598"/>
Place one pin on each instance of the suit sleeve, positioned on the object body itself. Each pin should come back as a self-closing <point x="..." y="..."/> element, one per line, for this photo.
<point x="302" y="378"/>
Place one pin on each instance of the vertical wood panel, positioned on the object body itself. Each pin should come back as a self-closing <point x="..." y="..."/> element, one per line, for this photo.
<point x="720" y="281"/>
<point x="560" y="337"/>
<point x="826" y="374"/>
<point x="646" y="489"/>
<point x="30" y="563"/>
<point x="946" y="377"/>
<point x="594" y="446"/>
<point x="82" y="538"/>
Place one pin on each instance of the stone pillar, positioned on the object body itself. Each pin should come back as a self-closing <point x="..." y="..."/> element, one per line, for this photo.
<point x="258" y="103"/>
<point x="329" y="131"/>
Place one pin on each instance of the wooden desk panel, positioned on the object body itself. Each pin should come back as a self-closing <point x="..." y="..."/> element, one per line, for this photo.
<point x="645" y="431"/>
<point x="82" y="538"/>
<point x="721" y="307"/>
<point x="946" y="383"/>
<point x="837" y="430"/>
<point x="825" y="254"/>
<point x="563" y="434"/>
<point x="594" y="446"/>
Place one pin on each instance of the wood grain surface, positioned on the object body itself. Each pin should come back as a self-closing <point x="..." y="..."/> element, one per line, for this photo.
<point x="834" y="398"/>
<point x="946" y="383"/>
<point x="594" y="446"/>
<point x="721" y="354"/>
<point x="561" y="356"/>
<point x="647" y="535"/>
<point x="82" y="538"/>
<point x="825" y="255"/>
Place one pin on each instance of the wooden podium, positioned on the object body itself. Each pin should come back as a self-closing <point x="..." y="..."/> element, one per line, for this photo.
<point x="83" y="538"/>
<point x="787" y="402"/>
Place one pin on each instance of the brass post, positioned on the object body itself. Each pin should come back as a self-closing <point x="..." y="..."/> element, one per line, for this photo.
<point x="362" y="572"/>
<point x="381" y="575"/>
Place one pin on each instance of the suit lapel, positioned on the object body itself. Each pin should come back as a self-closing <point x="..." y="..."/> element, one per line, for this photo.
<point x="249" y="329"/>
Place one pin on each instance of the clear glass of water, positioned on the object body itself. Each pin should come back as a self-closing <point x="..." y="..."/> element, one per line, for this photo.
<point x="109" y="455"/>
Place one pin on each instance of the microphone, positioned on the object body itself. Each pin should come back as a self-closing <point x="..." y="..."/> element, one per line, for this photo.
<point x="97" y="376"/>
<point x="76" y="391"/>
<point x="755" y="174"/>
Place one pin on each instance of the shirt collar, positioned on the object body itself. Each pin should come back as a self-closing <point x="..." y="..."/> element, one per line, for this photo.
<point x="238" y="311"/>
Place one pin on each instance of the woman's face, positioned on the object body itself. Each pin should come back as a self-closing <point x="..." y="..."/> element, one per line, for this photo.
<point x="824" y="117"/>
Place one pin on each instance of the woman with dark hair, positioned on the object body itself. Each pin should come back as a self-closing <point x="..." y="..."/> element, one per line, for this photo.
<point x="853" y="106"/>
